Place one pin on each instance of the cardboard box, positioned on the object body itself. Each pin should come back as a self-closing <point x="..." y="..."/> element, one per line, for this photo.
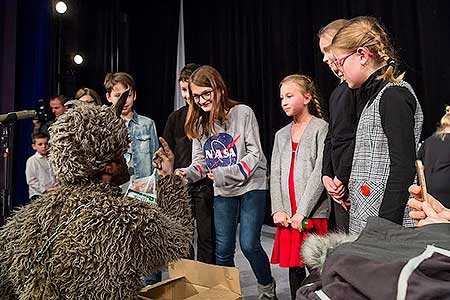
<point x="193" y="280"/>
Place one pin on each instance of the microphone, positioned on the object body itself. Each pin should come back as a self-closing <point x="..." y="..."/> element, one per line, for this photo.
<point x="17" y="115"/>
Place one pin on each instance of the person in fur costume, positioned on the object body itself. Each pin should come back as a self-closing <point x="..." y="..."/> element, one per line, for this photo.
<point x="85" y="240"/>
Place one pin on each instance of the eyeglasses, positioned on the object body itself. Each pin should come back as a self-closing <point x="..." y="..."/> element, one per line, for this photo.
<point x="339" y="62"/>
<point x="206" y="95"/>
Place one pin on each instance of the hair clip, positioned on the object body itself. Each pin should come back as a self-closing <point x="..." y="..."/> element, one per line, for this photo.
<point x="392" y="63"/>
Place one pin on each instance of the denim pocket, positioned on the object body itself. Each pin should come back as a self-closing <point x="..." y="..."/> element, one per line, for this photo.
<point x="143" y="143"/>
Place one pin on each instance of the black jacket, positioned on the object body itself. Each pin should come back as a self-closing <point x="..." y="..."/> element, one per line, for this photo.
<point x="435" y="154"/>
<point x="369" y="267"/>
<point x="177" y="139"/>
<point x="340" y="140"/>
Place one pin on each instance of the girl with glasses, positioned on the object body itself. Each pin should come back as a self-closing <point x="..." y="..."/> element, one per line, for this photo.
<point x="296" y="189"/>
<point x="226" y="148"/>
<point x="389" y="126"/>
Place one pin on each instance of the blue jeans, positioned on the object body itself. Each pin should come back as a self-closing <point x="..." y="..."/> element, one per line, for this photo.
<point x="249" y="209"/>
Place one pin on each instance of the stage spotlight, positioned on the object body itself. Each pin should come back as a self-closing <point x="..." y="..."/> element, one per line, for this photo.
<point x="78" y="59"/>
<point x="61" y="7"/>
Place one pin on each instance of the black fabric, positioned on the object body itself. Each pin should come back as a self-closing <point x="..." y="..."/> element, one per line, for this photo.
<point x="202" y="199"/>
<point x="296" y="276"/>
<point x="357" y="270"/>
<point x="177" y="139"/>
<point x="394" y="241"/>
<point x="341" y="218"/>
<point x="397" y="108"/>
<point x="339" y="143"/>
<point x="435" y="155"/>
<point x="431" y="280"/>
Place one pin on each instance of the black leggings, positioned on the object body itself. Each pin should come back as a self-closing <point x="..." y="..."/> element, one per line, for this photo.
<point x="296" y="277"/>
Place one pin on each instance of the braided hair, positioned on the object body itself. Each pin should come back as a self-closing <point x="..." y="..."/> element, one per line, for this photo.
<point x="368" y="32"/>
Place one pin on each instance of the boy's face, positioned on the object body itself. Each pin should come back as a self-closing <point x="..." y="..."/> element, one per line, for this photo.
<point x="114" y="96"/>
<point x="41" y="146"/>
<point x="184" y="87"/>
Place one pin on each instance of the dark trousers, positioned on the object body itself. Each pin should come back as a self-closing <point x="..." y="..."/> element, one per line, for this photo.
<point x="341" y="217"/>
<point x="296" y="277"/>
<point x="202" y="200"/>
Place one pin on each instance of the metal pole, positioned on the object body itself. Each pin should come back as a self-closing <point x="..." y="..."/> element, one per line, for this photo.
<point x="59" y="39"/>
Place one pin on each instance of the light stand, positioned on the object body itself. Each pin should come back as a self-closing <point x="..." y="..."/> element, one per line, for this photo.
<point x="6" y="199"/>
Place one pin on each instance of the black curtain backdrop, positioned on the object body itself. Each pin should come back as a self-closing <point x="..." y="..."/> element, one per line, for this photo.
<point x="153" y="37"/>
<point x="253" y="43"/>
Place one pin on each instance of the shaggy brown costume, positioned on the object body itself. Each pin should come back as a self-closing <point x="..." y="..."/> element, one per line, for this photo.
<point x="111" y="242"/>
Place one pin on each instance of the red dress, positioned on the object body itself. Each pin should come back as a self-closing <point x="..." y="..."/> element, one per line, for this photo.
<point x="288" y="241"/>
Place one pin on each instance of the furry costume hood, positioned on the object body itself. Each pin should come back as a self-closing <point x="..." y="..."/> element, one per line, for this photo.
<point x="83" y="140"/>
<point x="316" y="248"/>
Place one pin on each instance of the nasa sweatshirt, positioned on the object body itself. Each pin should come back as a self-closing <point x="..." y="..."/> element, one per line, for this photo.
<point x="234" y="155"/>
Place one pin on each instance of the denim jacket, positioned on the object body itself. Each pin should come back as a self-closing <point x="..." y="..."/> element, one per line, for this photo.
<point x="144" y="143"/>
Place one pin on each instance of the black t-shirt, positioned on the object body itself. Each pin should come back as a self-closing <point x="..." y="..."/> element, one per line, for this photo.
<point x="435" y="155"/>
<point x="176" y="138"/>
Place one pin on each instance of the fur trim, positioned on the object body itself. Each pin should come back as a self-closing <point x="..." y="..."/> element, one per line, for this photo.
<point x="316" y="247"/>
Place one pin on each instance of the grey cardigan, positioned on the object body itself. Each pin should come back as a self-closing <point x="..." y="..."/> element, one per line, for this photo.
<point x="312" y="200"/>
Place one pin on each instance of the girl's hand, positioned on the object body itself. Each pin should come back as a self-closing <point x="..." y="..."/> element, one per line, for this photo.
<point x="210" y="175"/>
<point x="333" y="187"/>
<point x="297" y="221"/>
<point x="281" y="218"/>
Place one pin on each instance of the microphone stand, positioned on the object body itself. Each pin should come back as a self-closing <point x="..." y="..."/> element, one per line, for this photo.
<point x="6" y="199"/>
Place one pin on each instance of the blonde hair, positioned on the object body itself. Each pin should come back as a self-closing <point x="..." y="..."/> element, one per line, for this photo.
<point x="332" y="28"/>
<point x="198" y="122"/>
<point x="306" y="84"/>
<point x="444" y="124"/>
<point x="90" y="92"/>
<point x="369" y="33"/>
